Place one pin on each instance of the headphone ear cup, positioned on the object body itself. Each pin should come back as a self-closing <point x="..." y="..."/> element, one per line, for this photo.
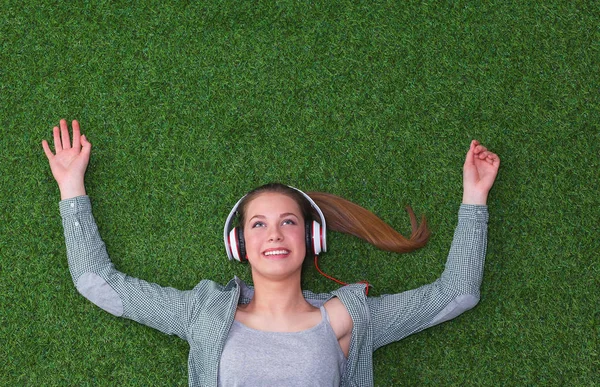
<point x="313" y="238"/>
<point x="317" y="243"/>
<point x="241" y="244"/>
<point x="308" y="226"/>
<point x="237" y="244"/>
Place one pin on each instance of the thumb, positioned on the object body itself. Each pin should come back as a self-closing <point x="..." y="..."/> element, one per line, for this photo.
<point x="469" y="159"/>
<point x="86" y="146"/>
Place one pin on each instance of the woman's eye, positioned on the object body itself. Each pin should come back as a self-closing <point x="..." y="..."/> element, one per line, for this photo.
<point x="289" y="221"/>
<point x="258" y="224"/>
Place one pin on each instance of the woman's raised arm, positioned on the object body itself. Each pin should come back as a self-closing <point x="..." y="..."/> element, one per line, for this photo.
<point x="457" y="290"/>
<point x="95" y="277"/>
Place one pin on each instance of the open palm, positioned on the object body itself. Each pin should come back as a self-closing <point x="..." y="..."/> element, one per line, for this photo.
<point x="69" y="163"/>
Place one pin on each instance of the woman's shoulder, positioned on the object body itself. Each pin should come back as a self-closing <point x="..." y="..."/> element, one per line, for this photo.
<point x="209" y="290"/>
<point x="341" y="323"/>
<point x="339" y="317"/>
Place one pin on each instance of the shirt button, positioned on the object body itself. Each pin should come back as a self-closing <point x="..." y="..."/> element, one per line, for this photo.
<point x="479" y="212"/>
<point x="72" y="205"/>
<point x="76" y="223"/>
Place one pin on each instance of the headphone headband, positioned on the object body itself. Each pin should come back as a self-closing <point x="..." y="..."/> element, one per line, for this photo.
<point x="319" y="237"/>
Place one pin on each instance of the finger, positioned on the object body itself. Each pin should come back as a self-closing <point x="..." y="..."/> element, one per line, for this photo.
<point x="491" y="158"/>
<point x="47" y="150"/>
<point x="76" y="134"/>
<point x="64" y="134"/>
<point x="495" y="159"/>
<point x="57" y="143"/>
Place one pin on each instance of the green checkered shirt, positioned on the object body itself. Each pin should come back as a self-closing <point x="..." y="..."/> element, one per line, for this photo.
<point x="202" y="316"/>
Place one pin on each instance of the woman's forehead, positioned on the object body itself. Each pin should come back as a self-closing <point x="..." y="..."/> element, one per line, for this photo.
<point x="272" y="202"/>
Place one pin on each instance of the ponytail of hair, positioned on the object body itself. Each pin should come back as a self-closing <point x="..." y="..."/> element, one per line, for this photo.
<point x="347" y="217"/>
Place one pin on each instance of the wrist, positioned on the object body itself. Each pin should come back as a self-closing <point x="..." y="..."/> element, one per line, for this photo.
<point x="68" y="191"/>
<point x="475" y="199"/>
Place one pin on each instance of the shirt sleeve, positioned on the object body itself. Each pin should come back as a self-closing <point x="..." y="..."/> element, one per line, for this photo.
<point x="396" y="316"/>
<point x="166" y="309"/>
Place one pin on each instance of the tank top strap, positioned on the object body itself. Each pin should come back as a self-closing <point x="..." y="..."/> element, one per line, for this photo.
<point x="324" y="314"/>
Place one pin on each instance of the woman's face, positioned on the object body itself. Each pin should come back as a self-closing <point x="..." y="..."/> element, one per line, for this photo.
<point x="274" y="236"/>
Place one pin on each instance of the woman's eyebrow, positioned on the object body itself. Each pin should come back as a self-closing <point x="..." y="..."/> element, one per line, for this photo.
<point x="258" y="216"/>
<point x="285" y="214"/>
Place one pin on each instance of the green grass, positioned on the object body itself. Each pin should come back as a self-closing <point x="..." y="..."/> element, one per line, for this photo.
<point x="190" y="104"/>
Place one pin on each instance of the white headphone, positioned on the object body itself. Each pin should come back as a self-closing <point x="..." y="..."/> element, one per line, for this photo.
<point x="316" y="234"/>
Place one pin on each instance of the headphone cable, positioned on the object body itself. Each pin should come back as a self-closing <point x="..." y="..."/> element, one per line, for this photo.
<point x="337" y="280"/>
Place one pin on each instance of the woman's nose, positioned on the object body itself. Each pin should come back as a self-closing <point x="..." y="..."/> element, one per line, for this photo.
<point x="275" y="234"/>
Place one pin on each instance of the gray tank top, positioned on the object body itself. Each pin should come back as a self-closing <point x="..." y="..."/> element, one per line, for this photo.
<point x="312" y="357"/>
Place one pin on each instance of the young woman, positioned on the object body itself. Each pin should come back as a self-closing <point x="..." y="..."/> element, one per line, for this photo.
<point x="274" y="333"/>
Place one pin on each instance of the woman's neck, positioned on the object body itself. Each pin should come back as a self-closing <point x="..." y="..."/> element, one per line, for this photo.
<point x="277" y="298"/>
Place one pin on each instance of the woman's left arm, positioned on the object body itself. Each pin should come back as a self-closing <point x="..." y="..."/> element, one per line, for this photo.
<point x="396" y="316"/>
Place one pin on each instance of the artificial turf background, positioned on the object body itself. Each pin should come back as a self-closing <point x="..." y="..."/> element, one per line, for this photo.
<point x="190" y="104"/>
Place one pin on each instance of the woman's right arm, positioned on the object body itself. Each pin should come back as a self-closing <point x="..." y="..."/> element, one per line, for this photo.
<point x="457" y="290"/>
<point x="166" y="309"/>
<point x="69" y="163"/>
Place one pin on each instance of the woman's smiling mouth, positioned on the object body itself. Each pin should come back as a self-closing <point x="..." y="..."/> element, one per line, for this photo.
<point x="276" y="253"/>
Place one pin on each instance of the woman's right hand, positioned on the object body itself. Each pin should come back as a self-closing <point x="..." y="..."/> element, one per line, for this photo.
<point x="69" y="163"/>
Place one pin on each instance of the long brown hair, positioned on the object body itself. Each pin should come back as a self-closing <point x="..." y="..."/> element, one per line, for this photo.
<point x="350" y="218"/>
<point x="344" y="216"/>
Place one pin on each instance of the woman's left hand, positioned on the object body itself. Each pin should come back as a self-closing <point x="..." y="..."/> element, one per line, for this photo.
<point x="479" y="173"/>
